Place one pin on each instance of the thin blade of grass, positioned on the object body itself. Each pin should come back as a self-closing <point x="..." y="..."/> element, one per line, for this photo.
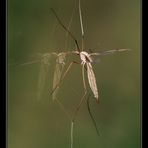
<point x="71" y="134"/>
<point x="81" y="23"/>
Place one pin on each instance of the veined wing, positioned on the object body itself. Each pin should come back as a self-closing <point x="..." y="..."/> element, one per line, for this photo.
<point x="92" y="80"/>
<point x="44" y="61"/>
<point x="30" y="62"/>
<point x="44" y="67"/>
<point x="40" y="57"/>
<point x="41" y="79"/>
<point x="59" y="67"/>
<point x="108" y="52"/>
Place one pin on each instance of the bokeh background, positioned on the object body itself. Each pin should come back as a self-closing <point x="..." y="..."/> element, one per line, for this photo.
<point x="108" y="24"/>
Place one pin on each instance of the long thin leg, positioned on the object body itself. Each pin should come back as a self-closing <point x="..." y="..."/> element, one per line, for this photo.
<point x="78" y="107"/>
<point x="82" y="98"/>
<point x="63" y="108"/>
<point x="70" y="65"/>
<point x="92" y="118"/>
<point x="69" y="25"/>
<point x="72" y="36"/>
<point x="73" y="119"/>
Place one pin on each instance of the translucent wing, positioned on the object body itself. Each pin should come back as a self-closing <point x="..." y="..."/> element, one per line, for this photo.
<point x="28" y="63"/>
<point x="92" y="80"/>
<point x="44" y="61"/>
<point x="108" y="52"/>
<point x="44" y="67"/>
<point x="38" y="59"/>
<point x="58" y="73"/>
<point x="41" y="79"/>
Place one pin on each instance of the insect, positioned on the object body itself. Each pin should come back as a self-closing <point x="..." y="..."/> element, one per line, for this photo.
<point x="85" y="58"/>
<point x="86" y="64"/>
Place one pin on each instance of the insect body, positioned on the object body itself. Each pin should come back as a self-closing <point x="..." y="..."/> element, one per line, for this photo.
<point x="87" y="60"/>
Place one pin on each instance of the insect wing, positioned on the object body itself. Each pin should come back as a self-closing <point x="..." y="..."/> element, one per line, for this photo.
<point x="92" y="80"/>
<point x="108" y="52"/>
<point x="59" y="67"/>
<point x="44" y="67"/>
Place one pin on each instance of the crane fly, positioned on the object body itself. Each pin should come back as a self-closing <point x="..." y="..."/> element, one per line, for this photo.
<point x="86" y="59"/>
<point x="86" y="62"/>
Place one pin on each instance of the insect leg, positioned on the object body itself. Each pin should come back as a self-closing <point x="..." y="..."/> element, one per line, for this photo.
<point x="83" y="96"/>
<point x="67" y="70"/>
<point x="64" y="27"/>
<point x="91" y="115"/>
<point x="77" y="108"/>
<point x="63" y="108"/>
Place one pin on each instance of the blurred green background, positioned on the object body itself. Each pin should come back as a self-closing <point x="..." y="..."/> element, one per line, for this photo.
<point x="108" y="24"/>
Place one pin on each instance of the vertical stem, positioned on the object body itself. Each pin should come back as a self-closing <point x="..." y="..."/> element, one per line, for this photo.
<point x="81" y="23"/>
<point x="71" y="135"/>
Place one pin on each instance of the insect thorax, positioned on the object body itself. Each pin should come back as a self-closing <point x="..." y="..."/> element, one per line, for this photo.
<point x="85" y="57"/>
